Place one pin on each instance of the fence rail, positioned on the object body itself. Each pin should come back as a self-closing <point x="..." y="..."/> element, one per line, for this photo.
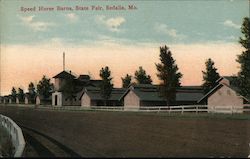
<point x="16" y="134"/>
<point x="169" y="109"/>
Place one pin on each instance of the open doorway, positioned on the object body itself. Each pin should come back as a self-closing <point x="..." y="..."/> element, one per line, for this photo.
<point x="56" y="99"/>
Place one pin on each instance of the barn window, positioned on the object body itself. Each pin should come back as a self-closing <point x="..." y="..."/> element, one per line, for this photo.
<point x="228" y="92"/>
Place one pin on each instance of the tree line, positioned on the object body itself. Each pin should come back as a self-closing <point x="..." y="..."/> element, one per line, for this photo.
<point x="44" y="88"/>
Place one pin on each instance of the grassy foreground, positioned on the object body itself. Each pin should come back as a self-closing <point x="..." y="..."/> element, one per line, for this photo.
<point x="140" y="134"/>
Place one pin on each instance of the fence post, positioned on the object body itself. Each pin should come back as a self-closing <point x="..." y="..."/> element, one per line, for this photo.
<point x="182" y="109"/>
<point x="249" y="151"/>
<point x="196" y="109"/>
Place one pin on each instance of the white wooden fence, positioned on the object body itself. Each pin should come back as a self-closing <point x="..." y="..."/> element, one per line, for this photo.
<point x="172" y="109"/>
<point x="249" y="151"/>
<point x="16" y="134"/>
<point x="168" y="109"/>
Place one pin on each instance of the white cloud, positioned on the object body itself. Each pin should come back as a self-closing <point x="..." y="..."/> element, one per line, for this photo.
<point x="113" y="24"/>
<point x="231" y="24"/>
<point x="163" y="28"/>
<point x="72" y="17"/>
<point x="35" y="25"/>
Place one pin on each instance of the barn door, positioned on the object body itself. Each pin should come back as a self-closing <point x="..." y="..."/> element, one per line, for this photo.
<point x="56" y="98"/>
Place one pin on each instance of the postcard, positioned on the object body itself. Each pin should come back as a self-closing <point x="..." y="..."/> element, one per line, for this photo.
<point x="143" y="60"/>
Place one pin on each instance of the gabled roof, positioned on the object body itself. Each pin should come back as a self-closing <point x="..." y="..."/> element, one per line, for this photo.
<point x="229" y="78"/>
<point x="188" y="96"/>
<point x="27" y="94"/>
<point x="218" y="87"/>
<point x="84" y="78"/>
<point x="80" y="82"/>
<point x="148" y="92"/>
<point x="233" y="85"/>
<point x="64" y="75"/>
<point x="41" y="97"/>
<point x="94" y="93"/>
<point x="189" y="93"/>
<point x="95" y="83"/>
<point x="8" y="97"/>
<point x="191" y="88"/>
<point x="148" y="95"/>
<point x="145" y="86"/>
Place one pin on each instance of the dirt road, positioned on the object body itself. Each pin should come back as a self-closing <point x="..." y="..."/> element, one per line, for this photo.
<point x="127" y="134"/>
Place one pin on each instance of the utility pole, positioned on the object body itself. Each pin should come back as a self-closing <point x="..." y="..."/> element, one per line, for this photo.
<point x="63" y="61"/>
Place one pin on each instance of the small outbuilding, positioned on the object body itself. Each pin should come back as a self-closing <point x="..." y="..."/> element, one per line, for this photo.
<point x="225" y="94"/>
<point x="41" y="100"/>
<point x="91" y="96"/>
<point x="11" y="99"/>
<point x="1" y="99"/>
<point x="29" y="99"/>
<point x="5" y="99"/>
<point x="17" y="100"/>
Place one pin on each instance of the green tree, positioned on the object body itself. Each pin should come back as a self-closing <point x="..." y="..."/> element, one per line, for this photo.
<point x="168" y="75"/>
<point x="126" y="81"/>
<point x="13" y="93"/>
<point x="45" y="87"/>
<point x="141" y="77"/>
<point x="32" y="92"/>
<point x="20" y="95"/>
<point x="210" y="76"/>
<point x="244" y="60"/>
<point x="106" y="85"/>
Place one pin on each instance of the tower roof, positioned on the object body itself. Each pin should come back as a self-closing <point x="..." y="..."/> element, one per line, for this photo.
<point x="64" y="75"/>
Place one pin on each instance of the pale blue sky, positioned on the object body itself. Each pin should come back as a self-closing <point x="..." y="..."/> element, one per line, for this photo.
<point x="185" y="21"/>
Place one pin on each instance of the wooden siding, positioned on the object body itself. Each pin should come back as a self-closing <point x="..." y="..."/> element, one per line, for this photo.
<point x="85" y="101"/>
<point x="131" y="100"/>
<point x="225" y="96"/>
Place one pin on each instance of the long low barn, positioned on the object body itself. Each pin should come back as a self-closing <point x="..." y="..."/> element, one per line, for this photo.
<point x="148" y="95"/>
<point x="91" y="96"/>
